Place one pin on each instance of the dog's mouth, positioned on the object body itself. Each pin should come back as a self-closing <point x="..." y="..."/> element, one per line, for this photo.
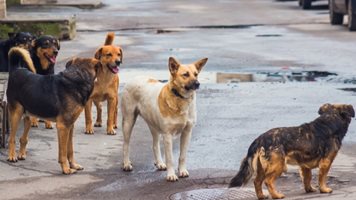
<point x="114" y="68"/>
<point x="51" y="59"/>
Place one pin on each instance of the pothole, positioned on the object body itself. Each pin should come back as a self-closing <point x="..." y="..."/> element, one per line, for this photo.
<point x="216" y="194"/>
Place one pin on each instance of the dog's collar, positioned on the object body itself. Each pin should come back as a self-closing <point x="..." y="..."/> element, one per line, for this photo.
<point x="176" y="93"/>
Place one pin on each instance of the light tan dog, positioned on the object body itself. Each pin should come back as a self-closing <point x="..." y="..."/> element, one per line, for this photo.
<point x="106" y="87"/>
<point x="168" y="109"/>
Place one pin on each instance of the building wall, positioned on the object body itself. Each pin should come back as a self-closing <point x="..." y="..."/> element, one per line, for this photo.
<point x="2" y="9"/>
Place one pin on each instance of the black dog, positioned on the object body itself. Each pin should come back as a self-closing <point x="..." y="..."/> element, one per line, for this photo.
<point x="21" y="39"/>
<point x="59" y="98"/>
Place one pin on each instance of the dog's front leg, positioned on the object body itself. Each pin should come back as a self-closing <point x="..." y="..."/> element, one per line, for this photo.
<point x="70" y="152"/>
<point x="24" y="138"/>
<point x="111" y="115"/>
<point x="184" y="142"/>
<point x="171" y="175"/>
<point x="63" y="136"/>
<point x="324" y="167"/>
<point x="88" y="119"/>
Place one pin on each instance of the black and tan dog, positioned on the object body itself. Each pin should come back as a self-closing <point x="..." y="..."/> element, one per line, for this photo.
<point x="106" y="87"/>
<point x="311" y="145"/>
<point x="59" y="98"/>
<point x="21" y="39"/>
<point x="44" y="52"/>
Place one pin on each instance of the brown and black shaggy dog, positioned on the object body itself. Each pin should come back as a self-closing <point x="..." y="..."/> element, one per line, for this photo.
<point x="59" y="98"/>
<point x="310" y="145"/>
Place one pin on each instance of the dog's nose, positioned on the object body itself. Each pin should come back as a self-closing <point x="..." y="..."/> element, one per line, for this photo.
<point x="55" y="52"/>
<point x="196" y="84"/>
<point x="118" y="62"/>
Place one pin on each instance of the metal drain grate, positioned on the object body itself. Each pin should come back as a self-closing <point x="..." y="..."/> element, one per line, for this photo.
<point x="215" y="194"/>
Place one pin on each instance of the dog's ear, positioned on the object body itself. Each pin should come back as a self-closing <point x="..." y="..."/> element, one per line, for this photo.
<point x="325" y="108"/>
<point x="11" y="35"/>
<point x="200" y="64"/>
<point x="122" y="55"/>
<point x="173" y="65"/>
<point x="348" y="111"/>
<point x="58" y="45"/>
<point x="98" y="53"/>
<point x="70" y="63"/>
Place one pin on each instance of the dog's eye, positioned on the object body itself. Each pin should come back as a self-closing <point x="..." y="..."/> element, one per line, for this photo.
<point x="109" y="55"/>
<point x="195" y="74"/>
<point x="186" y="74"/>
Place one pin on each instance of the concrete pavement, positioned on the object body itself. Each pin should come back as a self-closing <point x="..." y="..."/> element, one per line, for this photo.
<point x="230" y="116"/>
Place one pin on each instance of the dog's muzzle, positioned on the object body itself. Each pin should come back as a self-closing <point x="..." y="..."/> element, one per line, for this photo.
<point x="193" y="86"/>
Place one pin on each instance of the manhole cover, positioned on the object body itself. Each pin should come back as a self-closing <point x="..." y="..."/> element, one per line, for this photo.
<point x="215" y="194"/>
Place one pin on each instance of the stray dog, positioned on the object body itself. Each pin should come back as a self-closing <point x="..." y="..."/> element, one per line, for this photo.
<point x="59" y="98"/>
<point x="21" y="39"/>
<point x="106" y="87"/>
<point x="309" y="145"/>
<point x="168" y="109"/>
<point x="43" y="55"/>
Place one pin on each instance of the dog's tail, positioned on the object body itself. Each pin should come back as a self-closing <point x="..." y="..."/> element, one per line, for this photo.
<point x="109" y="38"/>
<point x="20" y="58"/>
<point x="247" y="168"/>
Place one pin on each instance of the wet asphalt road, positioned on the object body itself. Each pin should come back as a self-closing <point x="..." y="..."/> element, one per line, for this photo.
<point x="236" y="36"/>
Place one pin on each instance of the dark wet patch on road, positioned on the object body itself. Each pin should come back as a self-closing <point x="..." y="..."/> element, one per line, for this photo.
<point x="269" y="35"/>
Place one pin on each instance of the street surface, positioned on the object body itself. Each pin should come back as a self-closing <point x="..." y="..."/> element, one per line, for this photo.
<point x="261" y="37"/>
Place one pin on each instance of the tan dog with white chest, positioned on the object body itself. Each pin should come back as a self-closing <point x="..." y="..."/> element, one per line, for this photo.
<point x="168" y="109"/>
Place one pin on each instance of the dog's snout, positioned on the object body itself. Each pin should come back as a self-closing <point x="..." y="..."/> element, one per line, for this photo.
<point x="196" y="84"/>
<point x="118" y="62"/>
<point x="55" y="52"/>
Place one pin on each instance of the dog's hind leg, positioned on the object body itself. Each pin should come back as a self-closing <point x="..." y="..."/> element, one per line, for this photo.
<point x="171" y="175"/>
<point x="184" y="142"/>
<point x="70" y="152"/>
<point x="274" y="167"/>
<point x="324" y="167"/>
<point x="24" y="138"/>
<point x="306" y="175"/>
<point x="88" y="118"/>
<point x="157" y="150"/>
<point x="128" y="121"/>
<point x="15" y="114"/>
<point x="260" y="177"/>
<point x="63" y="132"/>
<point x="99" y="111"/>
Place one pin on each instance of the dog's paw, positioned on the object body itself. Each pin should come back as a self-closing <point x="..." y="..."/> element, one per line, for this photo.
<point x="76" y="166"/>
<point x="127" y="167"/>
<point x="48" y="125"/>
<point x="172" y="178"/>
<point x="34" y="124"/>
<point x="21" y="156"/>
<point x="115" y="126"/>
<point x="161" y="166"/>
<point x="97" y="124"/>
<point x="111" y="132"/>
<point x="12" y="158"/>
<point x="262" y="197"/>
<point x="310" y="189"/>
<point x="89" y="131"/>
<point x="183" y="173"/>
<point x="69" y="171"/>
<point x="326" y="190"/>
<point x="278" y="196"/>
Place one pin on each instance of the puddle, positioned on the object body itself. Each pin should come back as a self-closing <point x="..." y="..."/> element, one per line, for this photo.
<point x="269" y="35"/>
<point x="273" y="76"/>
